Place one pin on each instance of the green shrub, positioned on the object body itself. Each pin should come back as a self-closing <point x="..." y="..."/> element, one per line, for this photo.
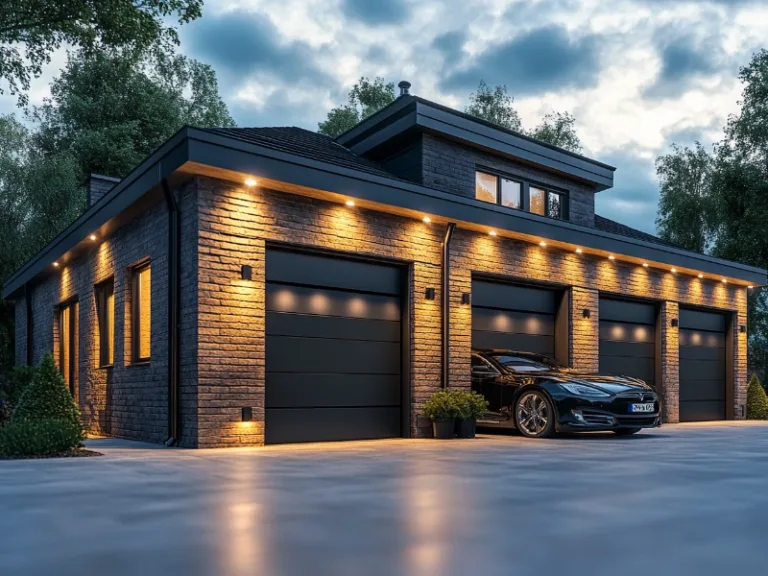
<point x="12" y="385"/>
<point x="470" y="405"/>
<point x="47" y="397"/>
<point x="38" y="437"/>
<point x="441" y="406"/>
<point x="757" y="401"/>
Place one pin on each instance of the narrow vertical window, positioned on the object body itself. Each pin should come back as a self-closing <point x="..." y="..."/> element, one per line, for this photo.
<point x="141" y="296"/>
<point x="105" y="312"/>
<point x="555" y="205"/>
<point x="511" y="194"/>
<point x="67" y="343"/>
<point x="486" y="187"/>
<point x="538" y="199"/>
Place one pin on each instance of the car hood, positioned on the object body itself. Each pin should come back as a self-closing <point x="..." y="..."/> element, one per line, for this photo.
<point x="608" y="384"/>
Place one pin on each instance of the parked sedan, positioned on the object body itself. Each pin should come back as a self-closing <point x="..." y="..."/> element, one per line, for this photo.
<point x="539" y="397"/>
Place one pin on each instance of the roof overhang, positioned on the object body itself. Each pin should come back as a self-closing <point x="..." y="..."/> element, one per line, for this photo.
<point x="409" y="113"/>
<point x="193" y="151"/>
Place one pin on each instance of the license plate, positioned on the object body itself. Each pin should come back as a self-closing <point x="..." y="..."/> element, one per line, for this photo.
<point x="647" y="407"/>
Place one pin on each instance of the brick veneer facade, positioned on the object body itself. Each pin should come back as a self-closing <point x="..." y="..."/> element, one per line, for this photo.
<point x="222" y="330"/>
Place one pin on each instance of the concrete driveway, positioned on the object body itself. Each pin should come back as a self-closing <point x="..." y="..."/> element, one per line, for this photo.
<point x="681" y="500"/>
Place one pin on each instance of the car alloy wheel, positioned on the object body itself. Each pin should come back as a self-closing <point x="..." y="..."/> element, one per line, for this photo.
<point x="534" y="415"/>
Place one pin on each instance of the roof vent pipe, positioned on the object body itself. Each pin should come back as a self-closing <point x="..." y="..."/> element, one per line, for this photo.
<point x="404" y="86"/>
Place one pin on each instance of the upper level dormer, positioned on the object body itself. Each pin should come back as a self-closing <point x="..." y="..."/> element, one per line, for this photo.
<point x="447" y="150"/>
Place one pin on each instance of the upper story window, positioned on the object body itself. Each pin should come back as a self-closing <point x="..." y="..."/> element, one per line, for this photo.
<point x="105" y="313"/>
<point x="141" y="313"/>
<point x="512" y="194"/>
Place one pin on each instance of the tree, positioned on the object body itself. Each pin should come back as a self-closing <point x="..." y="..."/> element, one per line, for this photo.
<point x="494" y="105"/>
<point x="364" y="99"/>
<point x="110" y="111"/>
<point x="684" y="179"/>
<point x="558" y="129"/>
<point x="31" y="30"/>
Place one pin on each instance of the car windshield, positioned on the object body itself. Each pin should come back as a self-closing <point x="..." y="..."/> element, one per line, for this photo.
<point x="525" y="364"/>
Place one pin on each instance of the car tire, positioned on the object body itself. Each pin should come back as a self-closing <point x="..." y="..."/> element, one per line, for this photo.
<point x="534" y="415"/>
<point x="626" y="431"/>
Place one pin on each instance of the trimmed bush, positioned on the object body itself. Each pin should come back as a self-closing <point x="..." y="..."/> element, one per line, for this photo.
<point x="470" y="405"/>
<point x="38" y="437"/>
<point x="12" y="386"/>
<point x="757" y="401"/>
<point x="441" y="406"/>
<point x="47" y="397"/>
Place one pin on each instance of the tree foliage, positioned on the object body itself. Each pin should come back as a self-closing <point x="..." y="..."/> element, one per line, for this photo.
<point x="494" y="105"/>
<point x="718" y="202"/>
<point x="31" y="30"/>
<point x="364" y="99"/>
<point x="558" y="129"/>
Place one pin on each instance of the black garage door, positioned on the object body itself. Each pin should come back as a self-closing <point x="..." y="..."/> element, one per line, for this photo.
<point x="702" y="365"/>
<point x="628" y="339"/>
<point x="333" y="348"/>
<point x="514" y="317"/>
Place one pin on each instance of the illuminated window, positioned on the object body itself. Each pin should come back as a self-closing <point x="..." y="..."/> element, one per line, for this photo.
<point x="141" y="312"/>
<point x="537" y="200"/>
<point x="67" y="343"/>
<point x="511" y="194"/>
<point x="486" y="187"/>
<point x="105" y="313"/>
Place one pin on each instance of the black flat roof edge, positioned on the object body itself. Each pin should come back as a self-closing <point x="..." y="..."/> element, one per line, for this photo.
<point x="216" y="150"/>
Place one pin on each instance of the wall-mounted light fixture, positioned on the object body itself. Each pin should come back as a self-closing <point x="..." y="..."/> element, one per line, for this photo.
<point x="246" y="414"/>
<point x="675" y="323"/>
<point x="246" y="272"/>
<point x="742" y="329"/>
<point x="466" y="298"/>
<point x="430" y="294"/>
<point x="587" y="313"/>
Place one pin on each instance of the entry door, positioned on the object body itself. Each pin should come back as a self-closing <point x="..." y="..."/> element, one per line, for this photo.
<point x="702" y="365"/>
<point x="333" y="348"/>
<point x="68" y="331"/>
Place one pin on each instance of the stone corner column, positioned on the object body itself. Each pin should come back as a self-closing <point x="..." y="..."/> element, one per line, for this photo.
<point x="584" y="344"/>
<point x="670" y="363"/>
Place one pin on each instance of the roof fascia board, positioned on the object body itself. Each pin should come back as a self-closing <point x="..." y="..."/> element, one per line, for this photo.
<point x="480" y="135"/>
<point x="387" y="132"/>
<point x="356" y="133"/>
<point x="146" y="176"/>
<point x="231" y="154"/>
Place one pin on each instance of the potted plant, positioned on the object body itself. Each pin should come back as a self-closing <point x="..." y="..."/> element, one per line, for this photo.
<point x="470" y="406"/>
<point x="441" y="409"/>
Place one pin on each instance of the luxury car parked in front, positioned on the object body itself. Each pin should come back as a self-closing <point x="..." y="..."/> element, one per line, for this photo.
<point x="537" y="396"/>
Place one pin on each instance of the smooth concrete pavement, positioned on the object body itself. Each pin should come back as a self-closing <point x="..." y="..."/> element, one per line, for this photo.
<point x="677" y="501"/>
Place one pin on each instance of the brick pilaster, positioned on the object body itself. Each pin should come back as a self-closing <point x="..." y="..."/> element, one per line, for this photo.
<point x="583" y="342"/>
<point x="670" y="362"/>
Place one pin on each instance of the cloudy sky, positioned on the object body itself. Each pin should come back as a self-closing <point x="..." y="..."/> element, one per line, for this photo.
<point x="637" y="74"/>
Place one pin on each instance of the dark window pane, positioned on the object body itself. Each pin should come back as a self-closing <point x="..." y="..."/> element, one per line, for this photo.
<point x="555" y="205"/>
<point x="510" y="193"/>
<point x="486" y="187"/>
<point x="538" y="199"/>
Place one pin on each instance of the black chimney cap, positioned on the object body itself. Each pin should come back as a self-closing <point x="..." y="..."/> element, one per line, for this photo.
<point x="404" y="86"/>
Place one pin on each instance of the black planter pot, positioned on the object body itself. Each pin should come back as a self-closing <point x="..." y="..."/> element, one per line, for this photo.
<point x="443" y="429"/>
<point x="466" y="428"/>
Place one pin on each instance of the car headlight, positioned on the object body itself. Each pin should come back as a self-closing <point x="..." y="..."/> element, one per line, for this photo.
<point x="580" y="390"/>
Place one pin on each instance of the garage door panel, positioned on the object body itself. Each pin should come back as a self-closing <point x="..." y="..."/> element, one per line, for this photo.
<point x="519" y="342"/>
<point x="702" y="339"/>
<point x="289" y="425"/>
<point x="702" y="370"/>
<point x="693" y="353"/>
<point x="313" y="355"/>
<point x="626" y="332"/>
<point x="627" y="349"/>
<point x="702" y="411"/>
<point x="643" y="368"/>
<point x="488" y="320"/>
<point x="285" y="324"/>
<point x="286" y="390"/>
<point x="701" y="320"/>
<point x="324" y="302"/>
<point x="626" y="311"/>
<point x="332" y="272"/>
<point x="513" y="297"/>
<point x="698" y="389"/>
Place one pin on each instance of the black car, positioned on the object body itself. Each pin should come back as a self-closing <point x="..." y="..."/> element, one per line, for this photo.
<point x="536" y="395"/>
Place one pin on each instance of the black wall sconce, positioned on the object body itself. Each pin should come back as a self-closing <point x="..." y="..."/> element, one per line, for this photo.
<point x="675" y="323"/>
<point x="742" y="329"/>
<point x="587" y="313"/>
<point x="246" y="272"/>
<point x="465" y="298"/>
<point x="247" y="414"/>
<point x="430" y="294"/>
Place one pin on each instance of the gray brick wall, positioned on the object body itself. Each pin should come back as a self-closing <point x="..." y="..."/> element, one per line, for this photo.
<point x="451" y="167"/>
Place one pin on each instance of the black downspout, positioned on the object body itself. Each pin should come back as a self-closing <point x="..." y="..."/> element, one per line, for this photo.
<point x="30" y="326"/>
<point x="174" y="272"/>
<point x="445" y="324"/>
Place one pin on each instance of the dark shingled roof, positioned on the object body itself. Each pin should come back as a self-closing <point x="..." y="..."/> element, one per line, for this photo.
<point x="304" y="143"/>
<point x="323" y="148"/>
<point x="614" y="227"/>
